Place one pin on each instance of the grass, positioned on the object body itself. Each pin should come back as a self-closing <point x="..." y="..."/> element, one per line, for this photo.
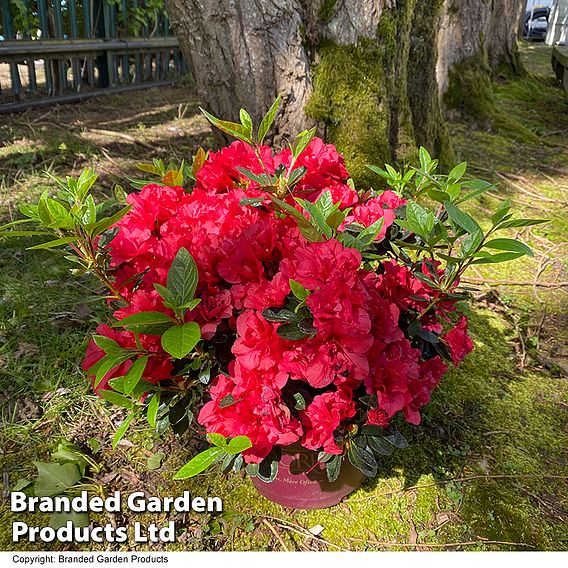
<point x="486" y="469"/>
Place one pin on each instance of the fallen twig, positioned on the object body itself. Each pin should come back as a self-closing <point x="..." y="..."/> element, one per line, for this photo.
<point x="278" y="538"/>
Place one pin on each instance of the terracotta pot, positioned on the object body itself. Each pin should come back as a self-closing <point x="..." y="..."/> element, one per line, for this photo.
<point x="301" y="482"/>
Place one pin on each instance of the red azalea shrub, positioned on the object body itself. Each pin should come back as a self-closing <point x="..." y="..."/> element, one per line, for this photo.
<point x="356" y="364"/>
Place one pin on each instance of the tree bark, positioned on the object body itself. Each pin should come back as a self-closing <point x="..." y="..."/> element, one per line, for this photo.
<point x="480" y="30"/>
<point x="370" y="73"/>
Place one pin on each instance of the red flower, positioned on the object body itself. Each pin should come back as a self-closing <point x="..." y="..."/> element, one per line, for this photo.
<point x="458" y="341"/>
<point x="377" y="417"/>
<point x="373" y="209"/>
<point x="257" y="412"/>
<point x="323" y="416"/>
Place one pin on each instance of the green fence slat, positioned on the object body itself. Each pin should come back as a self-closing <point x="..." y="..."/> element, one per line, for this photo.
<point x="7" y="21"/>
<point x="87" y="19"/>
<point x="42" y="13"/>
<point x="73" y="18"/>
<point x="32" y="76"/>
<point x="58" y="18"/>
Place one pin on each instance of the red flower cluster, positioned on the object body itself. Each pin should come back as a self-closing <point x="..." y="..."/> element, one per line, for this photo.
<point x="246" y="257"/>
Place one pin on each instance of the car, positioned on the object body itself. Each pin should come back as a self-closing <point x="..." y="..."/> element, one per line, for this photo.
<point x="536" y="24"/>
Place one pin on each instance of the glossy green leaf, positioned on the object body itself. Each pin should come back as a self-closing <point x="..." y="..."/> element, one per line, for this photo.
<point x="53" y="244"/>
<point x="116" y="398"/>
<point x="238" y="444"/>
<point x="132" y="378"/>
<point x="510" y="245"/>
<point x="496" y="258"/>
<point x="142" y="319"/>
<point x="153" y="406"/>
<point x="461" y="218"/>
<point x="183" y="277"/>
<point x="232" y="128"/>
<point x="298" y="290"/>
<point x="179" y="340"/>
<point x="200" y="463"/>
<point x="267" y="120"/>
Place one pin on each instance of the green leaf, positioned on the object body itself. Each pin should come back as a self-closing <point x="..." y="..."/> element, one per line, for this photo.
<point x="501" y="212"/>
<point x="54" y="478"/>
<point x="291" y="332"/>
<point x="496" y="258"/>
<point x="21" y="484"/>
<point x="425" y="158"/>
<point x="261" y="179"/>
<point x="379" y="445"/>
<point x="296" y="175"/>
<point x="108" y="362"/>
<point x="23" y="233"/>
<point x="217" y="439"/>
<point x="89" y="211"/>
<point x="153" y="407"/>
<point x="68" y="452"/>
<point x="470" y="244"/>
<point x="268" y="470"/>
<point x="246" y="120"/>
<point x="166" y="294"/>
<point x="183" y="277"/>
<point x="232" y="128"/>
<point x="522" y="223"/>
<point x="105" y="223"/>
<point x="116" y="398"/>
<point x="54" y="214"/>
<point x="298" y="290"/>
<point x="267" y="120"/>
<point x="333" y="468"/>
<point x="438" y="195"/>
<point x="421" y="217"/>
<point x="132" y="378"/>
<point x="362" y="457"/>
<point x="108" y="345"/>
<point x="16" y="223"/>
<point x="511" y="245"/>
<point x="302" y="141"/>
<point x="396" y="439"/>
<point x="60" y="519"/>
<point x="85" y="182"/>
<point x="457" y="173"/>
<point x="30" y="211"/>
<point x="119" y="434"/>
<point x="155" y="461"/>
<point x="378" y="171"/>
<point x="370" y="233"/>
<point x="200" y="463"/>
<point x="149" y="169"/>
<point x="53" y="244"/>
<point x="143" y="319"/>
<point x="461" y="218"/>
<point x="311" y="233"/>
<point x="179" y="340"/>
<point x="238" y="444"/>
<point x="227" y="400"/>
<point x="477" y="187"/>
<point x="279" y="315"/>
<point x="300" y="401"/>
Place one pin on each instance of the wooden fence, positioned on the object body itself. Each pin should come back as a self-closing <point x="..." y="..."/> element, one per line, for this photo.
<point x="54" y="51"/>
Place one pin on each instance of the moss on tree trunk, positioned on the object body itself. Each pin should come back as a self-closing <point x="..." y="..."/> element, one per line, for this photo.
<point x="378" y="98"/>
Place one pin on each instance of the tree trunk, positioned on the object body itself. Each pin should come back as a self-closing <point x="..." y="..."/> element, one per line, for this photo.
<point x="477" y="40"/>
<point x="366" y="71"/>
